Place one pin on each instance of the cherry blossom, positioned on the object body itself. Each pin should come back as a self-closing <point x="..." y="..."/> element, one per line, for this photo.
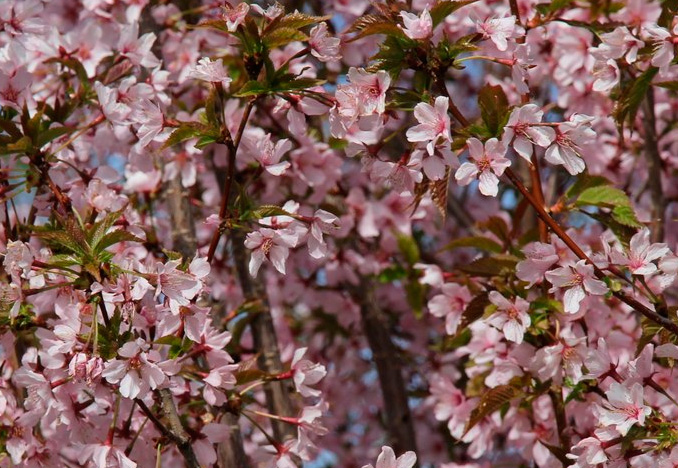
<point x="624" y="407"/>
<point x="641" y="254"/>
<point x="212" y="71"/>
<point x="578" y="280"/>
<point x="387" y="459"/>
<point x="521" y="131"/>
<point x="450" y="305"/>
<point x="269" y="244"/>
<point x="323" y="46"/>
<point x="417" y="27"/>
<point x="511" y="317"/>
<point x="488" y="164"/>
<point x="306" y="373"/>
<point x="434" y="123"/>
<point x="570" y="136"/>
<point x="499" y="30"/>
<point x="135" y="374"/>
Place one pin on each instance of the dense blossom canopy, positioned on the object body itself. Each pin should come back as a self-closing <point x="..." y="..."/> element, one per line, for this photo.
<point x="435" y="233"/>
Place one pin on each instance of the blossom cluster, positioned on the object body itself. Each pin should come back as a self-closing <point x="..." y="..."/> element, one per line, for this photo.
<point x="255" y="235"/>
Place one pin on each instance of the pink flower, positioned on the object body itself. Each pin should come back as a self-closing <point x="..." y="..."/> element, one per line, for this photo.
<point x="570" y="136"/>
<point x="434" y="123"/>
<point x="235" y="16"/>
<point x="104" y="456"/>
<point x="499" y="30"/>
<point x="607" y="76"/>
<point x="18" y="259"/>
<point x="323" y="46"/>
<point x="641" y="254"/>
<point x="450" y="304"/>
<point x="488" y="163"/>
<point x="522" y="130"/>
<point x="15" y="88"/>
<point x="151" y="119"/>
<point x="617" y="44"/>
<point x="372" y="89"/>
<point x="212" y="71"/>
<point x="306" y="373"/>
<point x="387" y="459"/>
<point x="115" y="111"/>
<point x="323" y="221"/>
<point x="624" y="407"/>
<point x="540" y="257"/>
<point x="269" y="154"/>
<point x="270" y="244"/>
<point x="417" y="27"/>
<point x="511" y="317"/>
<point x="179" y="287"/>
<point x="588" y="453"/>
<point x="85" y="368"/>
<point x="579" y="281"/>
<point x="136" y="374"/>
<point x="137" y="49"/>
<point x="663" y="47"/>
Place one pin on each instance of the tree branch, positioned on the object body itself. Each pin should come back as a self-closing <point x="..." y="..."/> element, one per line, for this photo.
<point x="265" y="342"/>
<point x="654" y="163"/>
<point x="398" y="418"/>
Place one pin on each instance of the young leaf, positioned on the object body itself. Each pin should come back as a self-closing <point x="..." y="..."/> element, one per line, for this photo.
<point x="443" y="8"/>
<point x="603" y="196"/>
<point x="632" y="96"/>
<point x="494" y="108"/>
<point x="491" y="401"/>
<point x="478" y="242"/>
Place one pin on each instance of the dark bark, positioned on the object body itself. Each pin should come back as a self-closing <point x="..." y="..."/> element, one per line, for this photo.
<point x="397" y="415"/>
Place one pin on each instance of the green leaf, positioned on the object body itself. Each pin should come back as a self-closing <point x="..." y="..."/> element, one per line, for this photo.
<point x="553" y="6"/>
<point x="252" y="88"/>
<point x="369" y="25"/>
<point x="603" y="196"/>
<point x="265" y="211"/>
<point x="443" y="8"/>
<point x="295" y="20"/>
<point x="490" y="266"/>
<point x="626" y="216"/>
<point x="186" y="131"/>
<point x="492" y="400"/>
<point x="415" y="297"/>
<point x="494" y="108"/>
<point x="171" y="340"/>
<point x="391" y="274"/>
<point x="116" y="237"/>
<point x="296" y="84"/>
<point x="632" y="96"/>
<point x="50" y="134"/>
<point x="409" y="248"/>
<point x="392" y="55"/>
<point x="623" y="232"/>
<point x="583" y="182"/>
<point x="282" y="36"/>
<point x="22" y="145"/>
<point x="478" y="242"/>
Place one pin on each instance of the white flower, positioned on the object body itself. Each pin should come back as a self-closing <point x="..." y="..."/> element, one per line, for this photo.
<point x="624" y="407"/>
<point x="212" y="71"/>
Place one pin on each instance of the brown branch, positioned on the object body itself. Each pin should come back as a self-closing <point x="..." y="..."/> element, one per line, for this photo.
<point x="654" y="163"/>
<point x="278" y="399"/>
<point x="232" y="146"/>
<point x="559" y="231"/>
<point x="572" y="245"/>
<point x="398" y="418"/>
<point x="175" y="432"/>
